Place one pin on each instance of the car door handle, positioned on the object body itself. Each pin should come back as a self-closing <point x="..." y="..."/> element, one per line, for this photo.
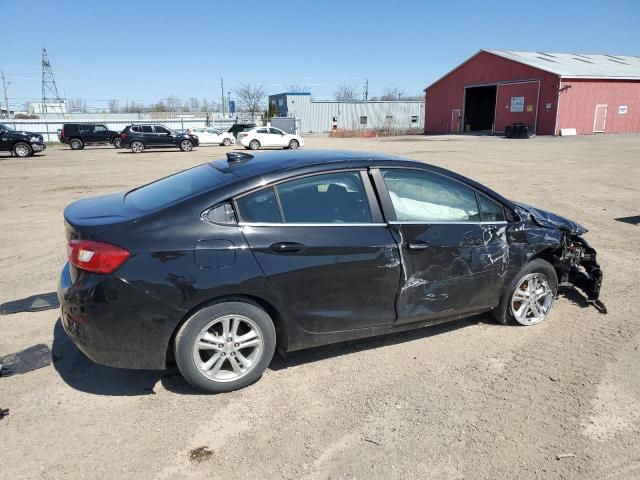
<point x="287" y="247"/>
<point x="418" y="245"/>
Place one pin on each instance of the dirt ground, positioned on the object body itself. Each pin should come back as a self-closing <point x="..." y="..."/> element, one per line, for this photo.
<point x="470" y="399"/>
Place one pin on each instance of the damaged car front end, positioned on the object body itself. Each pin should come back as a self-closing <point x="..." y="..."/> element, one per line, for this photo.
<point x="572" y="257"/>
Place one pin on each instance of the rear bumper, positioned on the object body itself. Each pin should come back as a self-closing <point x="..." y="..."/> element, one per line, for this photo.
<point x="113" y="323"/>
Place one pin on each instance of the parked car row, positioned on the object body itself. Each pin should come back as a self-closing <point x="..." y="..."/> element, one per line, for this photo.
<point x="140" y="137"/>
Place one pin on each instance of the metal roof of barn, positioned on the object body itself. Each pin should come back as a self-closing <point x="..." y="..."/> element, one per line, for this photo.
<point x="578" y="65"/>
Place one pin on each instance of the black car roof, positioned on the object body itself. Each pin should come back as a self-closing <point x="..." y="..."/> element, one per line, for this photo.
<point x="244" y="165"/>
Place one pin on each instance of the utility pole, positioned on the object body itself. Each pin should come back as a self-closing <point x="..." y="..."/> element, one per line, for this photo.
<point x="5" y="86"/>
<point x="365" y="94"/>
<point x="222" y="95"/>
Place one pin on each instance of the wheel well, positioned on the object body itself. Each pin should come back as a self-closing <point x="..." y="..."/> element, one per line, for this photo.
<point x="276" y="317"/>
<point x="548" y="255"/>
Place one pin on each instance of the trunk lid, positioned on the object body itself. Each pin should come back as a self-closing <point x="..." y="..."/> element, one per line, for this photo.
<point x="88" y="217"/>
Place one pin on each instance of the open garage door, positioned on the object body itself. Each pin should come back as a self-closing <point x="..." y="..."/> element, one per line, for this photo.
<point x="517" y="103"/>
<point x="479" y="108"/>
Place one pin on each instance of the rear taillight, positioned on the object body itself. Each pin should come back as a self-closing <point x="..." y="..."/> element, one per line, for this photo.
<point x="96" y="257"/>
<point x="123" y="136"/>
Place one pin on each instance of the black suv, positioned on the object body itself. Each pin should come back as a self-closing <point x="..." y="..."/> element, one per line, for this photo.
<point x="240" y="127"/>
<point x="20" y="144"/>
<point x="77" y="135"/>
<point x="139" y="137"/>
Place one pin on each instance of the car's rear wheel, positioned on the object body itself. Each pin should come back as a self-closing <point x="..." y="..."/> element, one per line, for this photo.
<point x="528" y="298"/>
<point x="117" y="142"/>
<point x="22" y="150"/>
<point x="186" y="145"/>
<point x="137" y="146"/>
<point x="293" y="144"/>
<point x="225" y="346"/>
<point x="226" y="142"/>
<point x="76" y="144"/>
<point x="254" y="144"/>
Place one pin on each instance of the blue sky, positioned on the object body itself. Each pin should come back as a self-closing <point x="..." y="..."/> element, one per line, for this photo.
<point x="147" y="50"/>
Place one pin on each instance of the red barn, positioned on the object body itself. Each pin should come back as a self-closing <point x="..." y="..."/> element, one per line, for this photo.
<point x="546" y="91"/>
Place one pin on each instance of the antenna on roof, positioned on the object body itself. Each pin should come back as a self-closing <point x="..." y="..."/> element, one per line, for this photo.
<point x="235" y="157"/>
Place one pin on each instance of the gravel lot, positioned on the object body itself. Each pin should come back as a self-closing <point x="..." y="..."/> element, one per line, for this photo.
<point x="470" y="399"/>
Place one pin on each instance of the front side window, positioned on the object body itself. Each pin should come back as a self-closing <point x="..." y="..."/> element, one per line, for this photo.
<point x="161" y="130"/>
<point x="426" y="197"/>
<point x="101" y="129"/>
<point x="329" y="198"/>
<point x="275" y="131"/>
<point x="490" y="211"/>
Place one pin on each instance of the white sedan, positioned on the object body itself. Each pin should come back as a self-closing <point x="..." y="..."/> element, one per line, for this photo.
<point x="208" y="135"/>
<point x="259" y="137"/>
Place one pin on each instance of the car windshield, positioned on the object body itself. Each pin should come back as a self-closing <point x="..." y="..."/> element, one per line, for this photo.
<point x="6" y="128"/>
<point x="171" y="189"/>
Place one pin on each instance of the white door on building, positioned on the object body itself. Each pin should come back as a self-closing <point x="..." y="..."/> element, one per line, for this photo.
<point x="455" y="120"/>
<point x="600" y="119"/>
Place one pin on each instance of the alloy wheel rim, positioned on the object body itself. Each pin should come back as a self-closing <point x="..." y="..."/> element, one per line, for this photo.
<point x="75" y="144"/>
<point x="137" y="147"/>
<point x="532" y="299"/>
<point x="22" y="150"/>
<point x="293" y="145"/>
<point x="228" y="348"/>
<point x="186" y="144"/>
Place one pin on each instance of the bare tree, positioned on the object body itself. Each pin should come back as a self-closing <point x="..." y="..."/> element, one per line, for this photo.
<point x="251" y="97"/>
<point x="173" y="103"/>
<point x="295" y="88"/>
<point x="194" y="104"/>
<point x="206" y="106"/>
<point x="392" y="93"/>
<point x="113" y="106"/>
<point x="345" y="93"/>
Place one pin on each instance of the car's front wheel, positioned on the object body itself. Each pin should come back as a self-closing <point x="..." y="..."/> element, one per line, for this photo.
<point x="293" y="145"/>
<point x="528" y="298"/>
<point x="137" y="146"/>
<point x="254" y="144"/>
<point x="76" y="144"/>
<point x="22" y="150"/>
<point x="225" y="346"/>
<point x="186" y="145"/>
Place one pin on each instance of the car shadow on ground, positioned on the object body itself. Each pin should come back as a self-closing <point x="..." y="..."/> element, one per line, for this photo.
<point x="34" y="303"/>
<point x="82" y="374"/>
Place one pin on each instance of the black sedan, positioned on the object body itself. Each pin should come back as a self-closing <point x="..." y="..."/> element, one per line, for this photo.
<point x="221" y="264"/>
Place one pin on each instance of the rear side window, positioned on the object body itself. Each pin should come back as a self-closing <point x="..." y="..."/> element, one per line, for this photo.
<point x="171" y="189"/>
<point x="490" y="211"/>
<point x="147" y="129"/>
<point x="135" y="129"/>
<point x="259" y="207"/>
<point x="261" y="130"/>
<point x="329" y="198"/>
<point x="425" y="197"/>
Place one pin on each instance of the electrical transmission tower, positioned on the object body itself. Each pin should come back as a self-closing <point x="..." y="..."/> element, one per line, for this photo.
<point x="49" y="87"/>
<point x="365" y="90"/>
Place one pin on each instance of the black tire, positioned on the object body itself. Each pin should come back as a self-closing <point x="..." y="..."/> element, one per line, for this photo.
<point x="186" y="145"/>
<point x="137" y="146"/>
<point x="293" y="145"/>
<point x="254" y="145"/>
<point x="226" y="142"/>
<point x="117" y="142"/>
<point x="502" y="313"/>
<point x="22" y="150"/>
<point x="189" y="333"/>
<point x="76" y="144"/>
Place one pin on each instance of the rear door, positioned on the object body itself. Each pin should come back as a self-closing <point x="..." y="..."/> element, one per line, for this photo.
<point x="452" y="256"/>
<point x="321" y="243"/>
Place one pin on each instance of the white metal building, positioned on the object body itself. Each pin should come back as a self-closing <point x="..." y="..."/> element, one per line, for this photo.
<point x="326" y="115"/>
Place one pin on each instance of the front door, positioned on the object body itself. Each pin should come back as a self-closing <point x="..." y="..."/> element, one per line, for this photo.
<point x="100" y="134"/>
<point x="163" y="136"/>
<point x="452" y="259"/>
<point x="455" y="120"/>
<point x="600" y="119"/>
<point x="322" y="245"/>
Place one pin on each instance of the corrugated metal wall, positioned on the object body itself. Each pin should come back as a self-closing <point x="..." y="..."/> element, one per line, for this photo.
<point x="317" y="116"/>
<point x="578" y="105"/>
